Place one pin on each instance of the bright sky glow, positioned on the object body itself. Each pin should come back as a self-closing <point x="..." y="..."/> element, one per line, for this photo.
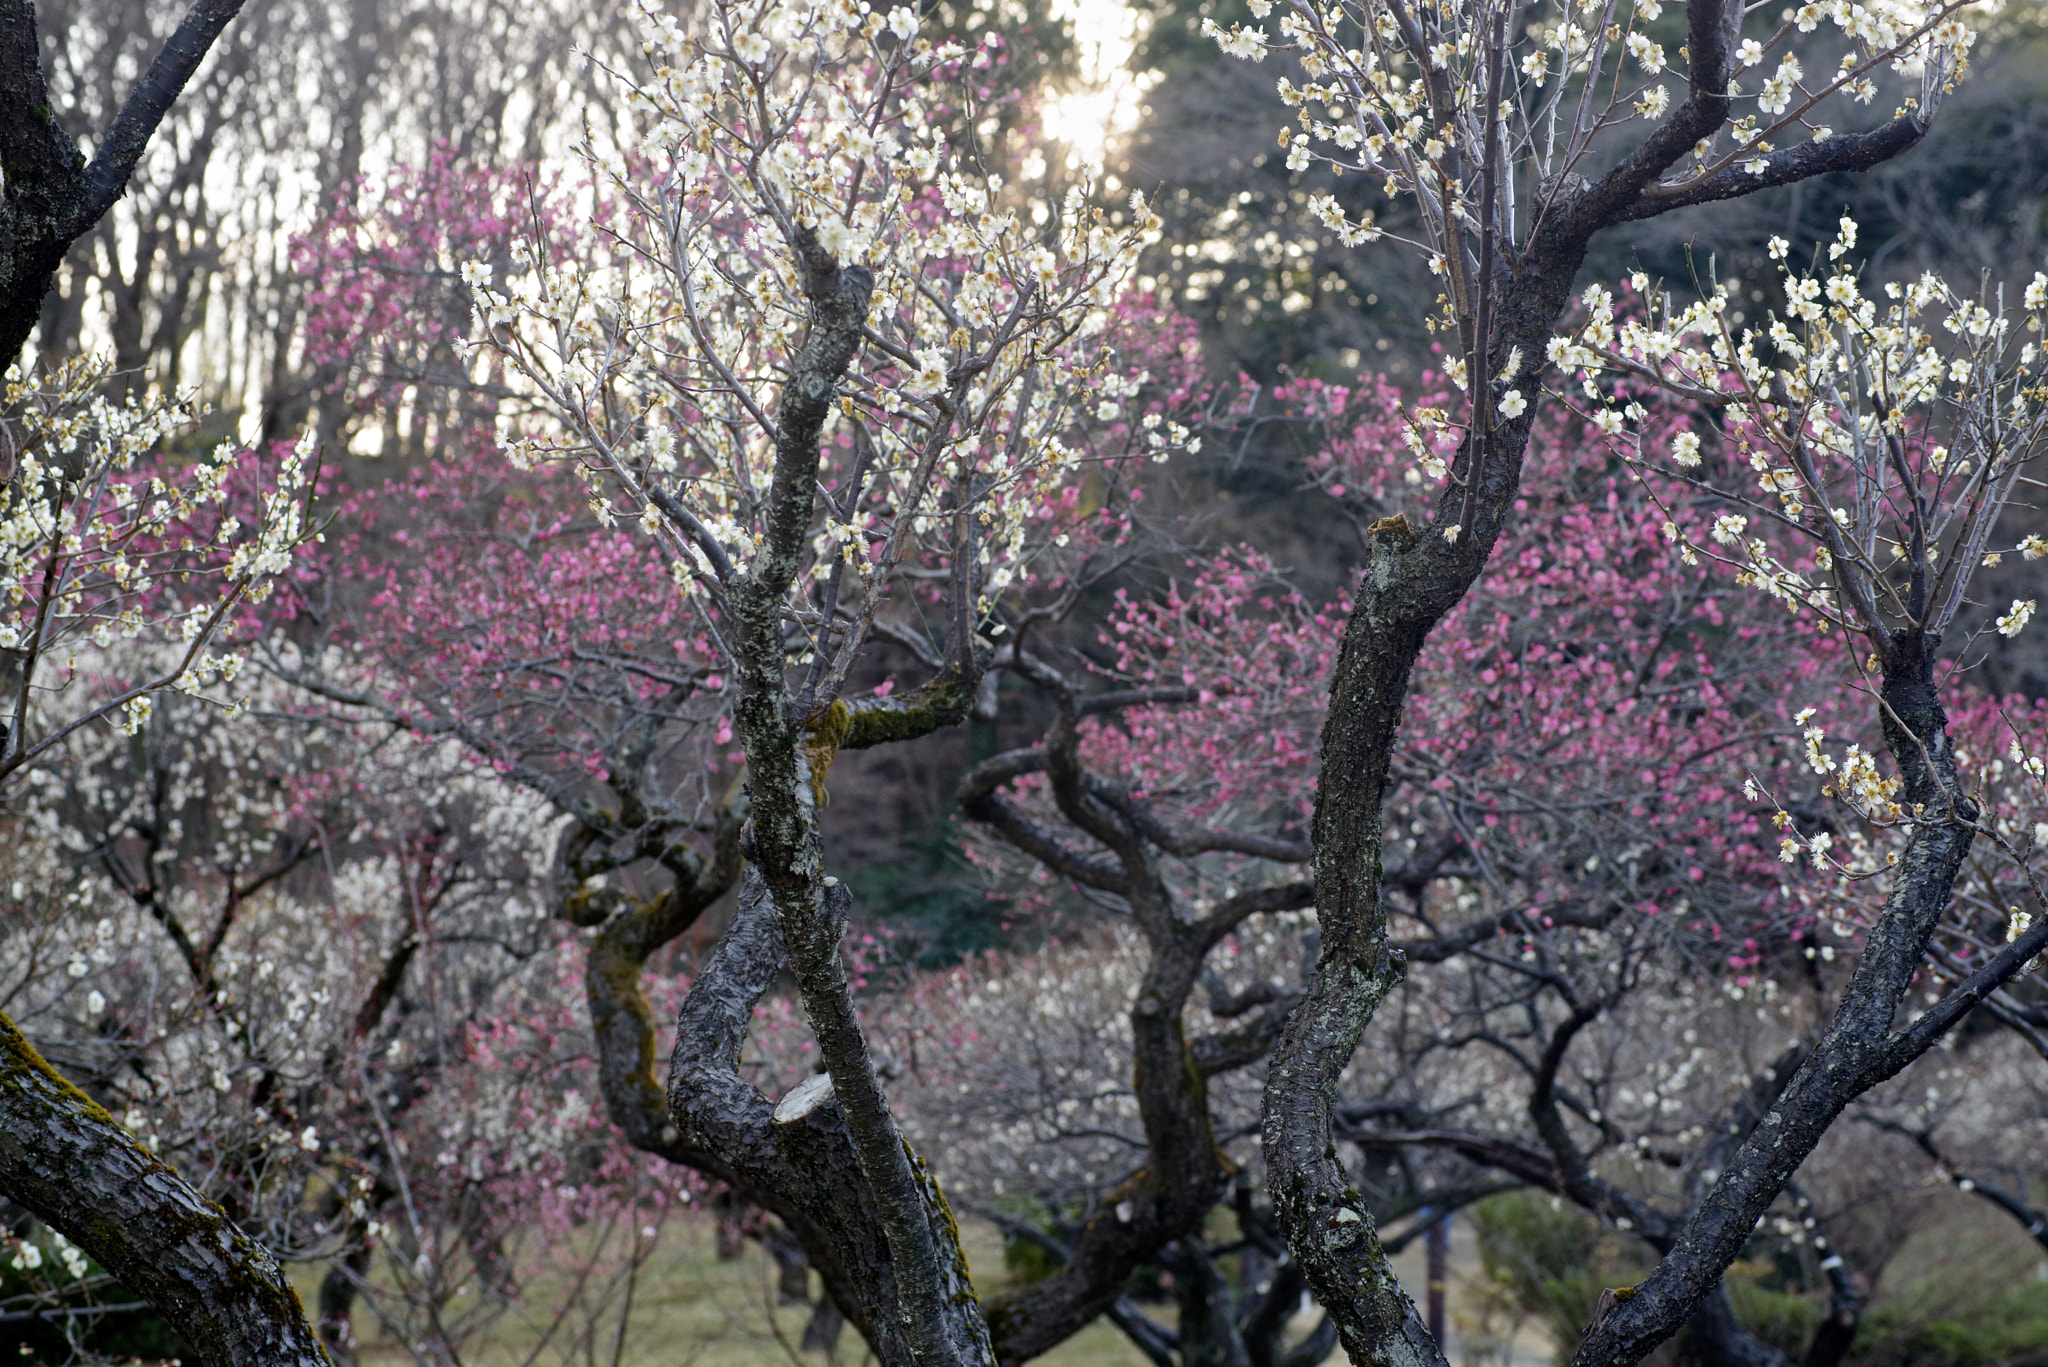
<point x="1106" y="100"/>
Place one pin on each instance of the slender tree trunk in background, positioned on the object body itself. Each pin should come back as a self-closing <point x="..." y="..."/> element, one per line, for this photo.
<point x="1209" y="1331"/>
<point x="1714" y="1337"/>
<point x="1837" y="1333"/>
<point x="1437" y="1255"/>
<point x="338" y="1299"/>
<point x="1184" y="1172"/>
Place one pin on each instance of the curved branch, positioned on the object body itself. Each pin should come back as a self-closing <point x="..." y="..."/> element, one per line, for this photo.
<point x="1842" y="152"/>
<point x="1712" y="26"/>
<point x="981" y="800"/>
<point x="1228" y="1050"/>
<point x="1189" y="843"/>
<point x="1858" y="1049"/>
<point x="64" y="1159"/>
<point x="621" y="1020"/>
<point x="802" y="1169"/>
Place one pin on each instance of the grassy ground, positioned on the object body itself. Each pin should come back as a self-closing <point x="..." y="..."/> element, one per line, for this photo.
<point x="691" y="1309"/>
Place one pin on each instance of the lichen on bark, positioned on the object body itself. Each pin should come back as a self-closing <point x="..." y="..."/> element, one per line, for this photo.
<point x="65" y="1160"/>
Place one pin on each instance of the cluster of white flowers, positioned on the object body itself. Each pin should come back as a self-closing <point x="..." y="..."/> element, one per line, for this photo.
<point x="96" y="550"/>
<point x="1483" y="114"/>
<point x="1028" y="1093"/>
<point x="657" y="342"/>
<point x="283" y="528"/>
<point x="1835" y="408"/>
<point x="2016" y="619"/>
<point x="174" y="931"/>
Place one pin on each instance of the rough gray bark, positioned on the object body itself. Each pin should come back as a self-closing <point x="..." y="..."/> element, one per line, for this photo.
<point x="1410" y="581"/>
<point x="710" y="1119"/>
<point x="787" y="755"/>
<point x="51" y="195"/>
<point x="802" y="1167"/>
<point x="64" y="1159"/>
<point x="629" y="931"/>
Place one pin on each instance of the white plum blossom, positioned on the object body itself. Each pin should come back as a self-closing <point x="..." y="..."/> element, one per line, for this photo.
<point x="1585" y="71"/>
<point x="649" y="355"/>
<point x="99" y="547"/>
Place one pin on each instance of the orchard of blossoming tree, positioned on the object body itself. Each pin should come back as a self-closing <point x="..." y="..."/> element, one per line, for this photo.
<point x="726" y="532"/>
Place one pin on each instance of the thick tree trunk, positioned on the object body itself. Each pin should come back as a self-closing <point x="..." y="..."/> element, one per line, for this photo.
<point x="63" y="1158"/>
<point x="796" y="1159"/>
<point x="786" y="760"/>
<point x="1411" y="580"/>
<point x="801" y="1167"/>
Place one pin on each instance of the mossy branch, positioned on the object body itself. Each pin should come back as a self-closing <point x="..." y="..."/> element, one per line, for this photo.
<point x="64" y="1159"/>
